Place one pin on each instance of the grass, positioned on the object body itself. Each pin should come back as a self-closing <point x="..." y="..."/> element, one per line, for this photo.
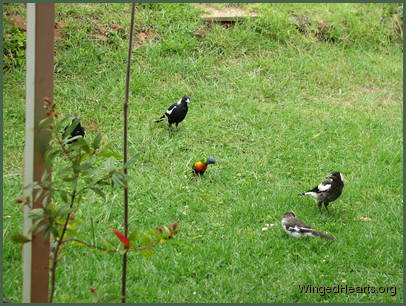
<point x="277" y="108"/>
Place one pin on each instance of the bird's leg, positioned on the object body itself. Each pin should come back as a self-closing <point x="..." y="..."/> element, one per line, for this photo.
<point x="170" y="130"/>
<point x="319" y="205"/>
<point x="325" y="205"/>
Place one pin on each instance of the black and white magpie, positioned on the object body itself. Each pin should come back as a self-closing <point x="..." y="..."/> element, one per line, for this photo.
<point x="176" y="112"/>
<point x="327" y="191"/>
<point x="78" y="130"/>
<point x="296" y="228"/>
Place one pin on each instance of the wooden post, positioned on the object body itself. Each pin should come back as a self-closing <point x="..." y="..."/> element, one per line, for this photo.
<point x="39" y="84"/>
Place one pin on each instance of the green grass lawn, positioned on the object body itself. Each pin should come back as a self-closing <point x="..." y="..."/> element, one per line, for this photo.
<point x="279" y="109"/>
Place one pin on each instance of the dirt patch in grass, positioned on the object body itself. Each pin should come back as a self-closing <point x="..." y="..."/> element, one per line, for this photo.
<point x="145" y="35"/>
<point x="105" y="29"/>
<point x="19" y="22"/>
<point x="224" y="15"/>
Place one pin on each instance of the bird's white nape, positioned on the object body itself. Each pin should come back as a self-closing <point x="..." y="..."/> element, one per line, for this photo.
<point x="180" y="101"/>
<point x="324" y="187"/>
<point x="342" y="177"/>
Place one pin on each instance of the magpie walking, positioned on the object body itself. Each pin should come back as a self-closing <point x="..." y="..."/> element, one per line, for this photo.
<point x="327" y="191"/>
<point x="200" y="166"/>
<point x="76" y="130"/>
<point x="296" y="228"/>
<point x="176" y="112"/>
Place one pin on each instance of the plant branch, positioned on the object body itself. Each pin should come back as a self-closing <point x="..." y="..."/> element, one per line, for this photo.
<point x="107" y="250"/>
<point x="94" y="184"/>
<point x="59" y="243"/>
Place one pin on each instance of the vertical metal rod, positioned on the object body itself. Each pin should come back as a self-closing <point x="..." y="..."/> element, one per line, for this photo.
<point x="127" y="88"/>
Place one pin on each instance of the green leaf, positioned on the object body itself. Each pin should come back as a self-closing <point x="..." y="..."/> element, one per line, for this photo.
<point x="49" y="157"/>
<point x="43" y="121"/>
<point x="119" y="179"/>
<point x="42" y="227"/>
<point x="130" y="161"/>
<point x="64" y="171"/>
<point x="108" y="241"/>
<point x="111" y="154"/>
<point x="68" y="179"/>
<point x="38" y="194"/>
<point x="64" y="211"/>
<point x="96" y="141"/>
<point x="83" y="144"/>
<point x="85" y="166"/>
<point x="147" y="253"/>
<point x="33" y="185"/>
<point x="45" y="233"/>
<point x="19" y="238"/>
<point x="44" y="176"/>
<point x="69" y="129"/>
<point x="133" y="235"/>
<point x="86" y="155"/>
<point x="65" y="196"/>
<point x="109" y="164"/>
<point x="36" y="213"/>
<point x="54" y="231"/>
<point x="35" y="224"/>
<point x="60" y="123"/>
<point x="133" y="239"/>
<point x="45" y="201"/>
<point x="98" y="192"/>
<point x="146" y="240"/>
<point x="95" y="173"/>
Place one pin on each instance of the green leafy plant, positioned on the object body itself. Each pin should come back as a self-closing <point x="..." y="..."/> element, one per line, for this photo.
<point x="77" y="170"/>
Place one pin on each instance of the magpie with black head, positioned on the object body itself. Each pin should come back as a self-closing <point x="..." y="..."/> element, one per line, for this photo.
<point x="176" y="112"/>
<point x="327" y="191"/>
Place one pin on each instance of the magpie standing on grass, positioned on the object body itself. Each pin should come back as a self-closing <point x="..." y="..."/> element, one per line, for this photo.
<point x="296" y="228"/>
<point x="176" y="112"/>
<point x="327" y="191"/>
<point x="78" y="130"/>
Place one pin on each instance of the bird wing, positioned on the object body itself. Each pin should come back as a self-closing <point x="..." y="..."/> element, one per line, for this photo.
<point x="170" y="109"/>
<point x="304" y="229"/>
<point x="296" y="225"/>
<point x="298" y="229"/>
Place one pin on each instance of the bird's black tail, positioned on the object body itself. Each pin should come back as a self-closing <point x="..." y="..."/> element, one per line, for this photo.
<point x="321" y="235"/>
<point x="160" y="119"/>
